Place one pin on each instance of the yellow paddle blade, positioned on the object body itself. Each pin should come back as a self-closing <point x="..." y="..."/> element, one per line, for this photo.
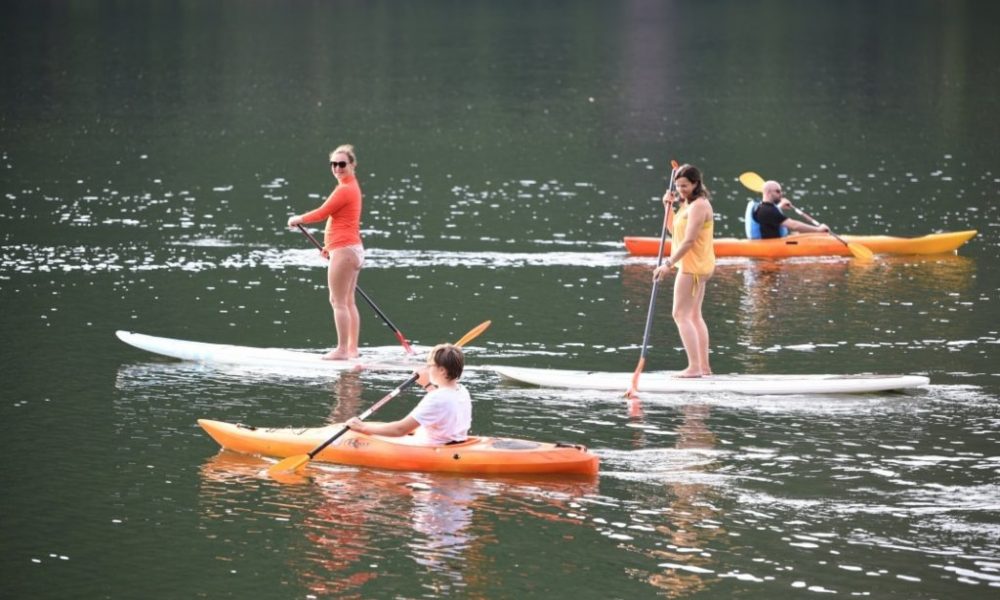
<point x="473" y="334"/>
<point x="860" y="252"/>
<point x="289" y="465"/>
<point x="752" y="181"/>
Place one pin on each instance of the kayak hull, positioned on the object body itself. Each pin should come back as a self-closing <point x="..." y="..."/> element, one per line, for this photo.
<point x="248" y="356"/>
<point x="480" y="455"/>
<point x="663" y="382"/>
<point x="815" y="244"/>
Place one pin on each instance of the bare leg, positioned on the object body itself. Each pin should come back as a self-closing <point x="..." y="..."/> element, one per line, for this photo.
<point x="342" y="278"/>
<point x="690" y="325"/>
<point x="701" y="327"/>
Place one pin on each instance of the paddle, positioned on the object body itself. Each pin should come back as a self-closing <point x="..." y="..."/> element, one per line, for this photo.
<point x="755" y="183"/>
<point x="371" y="303"/>
<point x="634" y="389"/>
<point x="859" y="251"/>
<point x="295" y="462"/>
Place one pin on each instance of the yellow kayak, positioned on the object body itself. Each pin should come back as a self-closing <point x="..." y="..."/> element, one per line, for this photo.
<point x="816" y="244"/>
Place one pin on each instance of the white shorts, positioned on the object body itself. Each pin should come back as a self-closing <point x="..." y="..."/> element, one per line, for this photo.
<point x="357" y="249"/>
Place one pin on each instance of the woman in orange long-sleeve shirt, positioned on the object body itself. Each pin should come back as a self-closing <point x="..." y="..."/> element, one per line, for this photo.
<point x="342" y="245"/>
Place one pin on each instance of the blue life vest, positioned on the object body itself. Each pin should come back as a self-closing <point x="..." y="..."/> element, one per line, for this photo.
<point x="752" y="226"/>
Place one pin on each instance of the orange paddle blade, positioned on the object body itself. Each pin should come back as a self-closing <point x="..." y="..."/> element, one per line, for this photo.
<point x="860" y="252"/>
<point x="289" y="465"/>
<point x="473" y="334"/>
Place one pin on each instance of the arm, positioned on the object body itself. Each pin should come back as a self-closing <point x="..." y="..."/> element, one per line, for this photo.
<point x="337" y="198"/>
<point x="800" y="227"/>
<point x="393" y="429"/>
<point x="396" y="428"/>
<point x="668" y="205"/>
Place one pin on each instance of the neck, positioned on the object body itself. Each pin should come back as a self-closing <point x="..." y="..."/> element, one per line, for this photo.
<point x="447" y="384"/>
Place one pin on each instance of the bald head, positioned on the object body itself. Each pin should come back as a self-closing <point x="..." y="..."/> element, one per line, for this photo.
<point x="771" y="191"/>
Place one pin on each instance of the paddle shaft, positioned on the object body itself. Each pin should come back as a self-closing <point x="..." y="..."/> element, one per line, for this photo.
<point x="294" y="462"/>
<point x="367" y="298"/>
<point x="816" y="223"/>
<point x="659" y="261"/>
<point x="371" y="410"/>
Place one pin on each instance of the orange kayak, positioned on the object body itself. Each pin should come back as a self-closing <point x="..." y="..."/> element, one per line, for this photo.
<point x="816" y="244"/>
<point x="481" y="455"/>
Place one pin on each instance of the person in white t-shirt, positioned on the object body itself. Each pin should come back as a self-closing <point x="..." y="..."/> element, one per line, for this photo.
<point x="444" y="415"/>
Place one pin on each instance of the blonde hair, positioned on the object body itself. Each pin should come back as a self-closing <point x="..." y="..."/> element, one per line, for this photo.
<point x="347" y="149"/>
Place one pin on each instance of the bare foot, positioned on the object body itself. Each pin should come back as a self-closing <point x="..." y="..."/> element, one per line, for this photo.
<point x="335" y="354"/>
<point x="688" y="373"/>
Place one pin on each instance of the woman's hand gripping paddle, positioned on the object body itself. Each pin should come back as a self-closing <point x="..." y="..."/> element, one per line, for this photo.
<point x="292" y="463"/>
<point x="633" y="390"/>
<point x="755" y="183"/>
<point x="371" y="303"/>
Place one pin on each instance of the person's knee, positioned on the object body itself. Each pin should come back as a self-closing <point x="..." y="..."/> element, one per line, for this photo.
<point x="682" y="310"/>
<point x="337" y="302"/>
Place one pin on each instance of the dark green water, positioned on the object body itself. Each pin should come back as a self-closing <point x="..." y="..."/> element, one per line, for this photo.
<point x="151" y="152"/>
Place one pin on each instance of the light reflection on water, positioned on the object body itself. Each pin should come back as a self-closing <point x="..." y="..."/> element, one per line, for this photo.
<point x="508" y="201"/>
<point x="352" y="526"/>
<point x="837" y="493"/>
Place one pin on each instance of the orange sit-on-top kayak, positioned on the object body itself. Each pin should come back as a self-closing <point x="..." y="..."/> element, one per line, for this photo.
<point x="481" y="455"/>
<point x="815" y="244"/>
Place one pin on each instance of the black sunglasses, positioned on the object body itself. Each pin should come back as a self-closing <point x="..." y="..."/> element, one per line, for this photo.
<point x="341" y="164"/>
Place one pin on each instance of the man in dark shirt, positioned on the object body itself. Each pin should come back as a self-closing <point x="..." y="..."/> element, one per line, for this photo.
<point x="771" y="219"/>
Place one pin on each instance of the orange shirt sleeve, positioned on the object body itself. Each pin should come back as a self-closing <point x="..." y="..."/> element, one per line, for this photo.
<point x="338" y="198"/>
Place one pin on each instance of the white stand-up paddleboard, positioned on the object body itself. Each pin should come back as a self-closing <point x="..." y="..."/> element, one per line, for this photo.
<point x="391" y="359"/>
<point x="666" y="382"/>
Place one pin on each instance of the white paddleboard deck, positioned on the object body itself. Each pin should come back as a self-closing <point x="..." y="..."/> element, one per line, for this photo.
<point x="386" y="359"/>
<point x="666" y="382"/>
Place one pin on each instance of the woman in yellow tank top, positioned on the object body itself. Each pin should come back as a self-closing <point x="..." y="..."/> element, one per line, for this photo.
<point x="693" y="254"/>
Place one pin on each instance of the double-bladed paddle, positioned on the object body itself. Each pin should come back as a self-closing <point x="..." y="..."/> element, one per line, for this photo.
<point x="371" y="303"/>
<point x="295" y="462"/>
<point x="755" y="183"/>
<point x="634" y="388"/>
